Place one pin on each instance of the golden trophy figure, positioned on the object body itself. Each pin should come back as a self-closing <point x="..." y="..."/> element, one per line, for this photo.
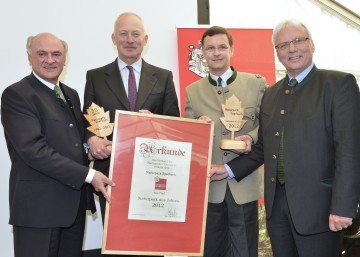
<point x="99" y="121"/>
<point x="232" y="120"/>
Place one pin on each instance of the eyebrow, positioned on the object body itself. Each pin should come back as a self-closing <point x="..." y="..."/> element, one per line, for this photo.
<point x="53" y="52"/>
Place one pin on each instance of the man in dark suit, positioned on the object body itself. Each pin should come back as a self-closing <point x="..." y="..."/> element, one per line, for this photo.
<point x="309" y="141"/>
<point x="107" y="86"/>
<point x="44" y="135"/>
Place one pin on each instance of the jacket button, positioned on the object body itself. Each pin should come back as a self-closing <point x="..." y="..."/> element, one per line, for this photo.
<point x="71" y="125"/>
<point x="282" y="112"/>
<point x="272" y="179"/>
<point x="287" y="91"/>
<point x="274" y="157"/>
<point x="76" y="145"/>
<point x="277" y="134"/>
<point x="226" y="153"/>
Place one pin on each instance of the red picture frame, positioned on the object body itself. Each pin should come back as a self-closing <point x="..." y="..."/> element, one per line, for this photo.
<point x="142" y="237"/>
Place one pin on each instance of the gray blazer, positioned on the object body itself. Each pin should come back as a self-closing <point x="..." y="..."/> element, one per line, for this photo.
<point x="202" y="98"/>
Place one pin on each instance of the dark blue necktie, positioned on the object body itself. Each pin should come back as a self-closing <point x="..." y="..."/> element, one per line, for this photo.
<point x="219" y="86"/>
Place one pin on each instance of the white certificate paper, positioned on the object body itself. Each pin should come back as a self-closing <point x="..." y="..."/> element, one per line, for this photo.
<point x="160" y="180"/>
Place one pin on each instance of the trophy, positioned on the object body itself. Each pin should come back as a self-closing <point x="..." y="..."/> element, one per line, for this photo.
<point x="232" y="120"/>
<point x="99" y="121"/>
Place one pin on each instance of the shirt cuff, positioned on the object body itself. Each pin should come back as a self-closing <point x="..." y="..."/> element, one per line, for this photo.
<point x="90" y="176"/>
<point x="229" y="171"/>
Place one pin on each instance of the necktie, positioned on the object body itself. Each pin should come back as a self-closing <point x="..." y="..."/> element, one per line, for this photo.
<point x="280" y="160"/>
<point x="292" y="85"/>
<point x="219" y="86"/>
<point x="59" y="93"/>
<point x="132" y="91"/>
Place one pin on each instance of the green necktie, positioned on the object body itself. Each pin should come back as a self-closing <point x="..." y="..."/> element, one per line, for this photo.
<point x="292" y="85"/>
<point x="59" y="93"/>
<point x="280" y="160"/>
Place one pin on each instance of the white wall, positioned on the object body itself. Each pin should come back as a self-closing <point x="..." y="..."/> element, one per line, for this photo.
<point x="87" y="26"/>
<point x="336" y="44"/>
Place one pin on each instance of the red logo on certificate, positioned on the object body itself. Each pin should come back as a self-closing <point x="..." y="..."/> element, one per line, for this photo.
<point x="160" y="184"/>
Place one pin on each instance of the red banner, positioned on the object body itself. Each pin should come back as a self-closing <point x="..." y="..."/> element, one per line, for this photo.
<point x="253" y="52"/>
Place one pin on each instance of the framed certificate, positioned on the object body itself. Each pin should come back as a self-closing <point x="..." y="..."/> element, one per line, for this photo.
<point x="159" y="164"/>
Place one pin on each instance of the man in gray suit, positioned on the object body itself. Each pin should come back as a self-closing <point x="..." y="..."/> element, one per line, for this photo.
<point x="232" y="218"/>
<point x="309" y="141"/>
<point x="49" y="177"/>
<point x="107" y="86"/>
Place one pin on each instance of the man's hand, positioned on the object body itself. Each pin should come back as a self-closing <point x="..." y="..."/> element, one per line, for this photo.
<point x="337" y="223"/>
<point x="145" y="111"/>
<point x="205" y="118"/>
<point x="90" y="157"/>
<point x="217" y="172"/>
<point x="99" y="148"/>
<point x="248" y="140"/>
<point x="99" y="183"/>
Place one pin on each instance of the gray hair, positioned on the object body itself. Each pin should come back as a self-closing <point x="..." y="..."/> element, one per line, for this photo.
<point x="129" y="14"/>
<point x="288" y="23"/>
<point x="30" y="41"/>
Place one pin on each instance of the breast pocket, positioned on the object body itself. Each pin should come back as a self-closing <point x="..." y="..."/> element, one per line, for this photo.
<point x="250" y="114"/>
<point x="251" y="119"/>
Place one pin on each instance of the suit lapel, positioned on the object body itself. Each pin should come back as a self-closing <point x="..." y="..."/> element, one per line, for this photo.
<point x="146" y="85"/>
<point x="114" y="82"/>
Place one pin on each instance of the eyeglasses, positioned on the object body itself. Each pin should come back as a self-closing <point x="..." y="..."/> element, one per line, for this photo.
<point x="221" y="48"/>
<point x="296" y="41"/>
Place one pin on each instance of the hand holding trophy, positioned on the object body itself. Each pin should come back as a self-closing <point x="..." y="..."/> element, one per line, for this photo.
<point x="232" y="120"/>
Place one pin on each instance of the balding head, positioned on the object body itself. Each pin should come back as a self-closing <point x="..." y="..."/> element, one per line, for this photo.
<point x="46" y="55"/>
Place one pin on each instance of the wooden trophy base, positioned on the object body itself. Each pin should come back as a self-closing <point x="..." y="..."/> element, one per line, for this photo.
<point x="232" y="144"/>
